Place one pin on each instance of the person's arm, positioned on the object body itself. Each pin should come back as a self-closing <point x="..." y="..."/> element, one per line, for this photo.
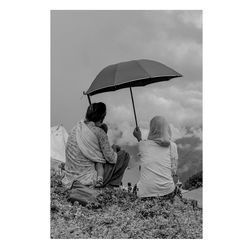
<point x="174" y="166"/>
<point x="109" y="154"/>
<point x="174" y="158"/>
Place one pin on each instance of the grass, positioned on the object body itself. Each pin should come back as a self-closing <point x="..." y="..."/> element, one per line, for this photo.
<point x="121" y="215"/>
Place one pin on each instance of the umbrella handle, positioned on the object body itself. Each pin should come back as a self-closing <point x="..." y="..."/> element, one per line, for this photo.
<point x="89" y="99"/>
<point x="133" y="106"/>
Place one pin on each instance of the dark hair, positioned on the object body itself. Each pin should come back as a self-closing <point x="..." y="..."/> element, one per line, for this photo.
<point x="96" y="112"/>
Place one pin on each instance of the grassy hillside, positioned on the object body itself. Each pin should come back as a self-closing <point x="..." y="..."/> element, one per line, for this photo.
<point x="122" y="215"/>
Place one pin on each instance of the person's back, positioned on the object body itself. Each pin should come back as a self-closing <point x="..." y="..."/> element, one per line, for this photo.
<point x="77" y="163"/>
<point x="156" y="172"/>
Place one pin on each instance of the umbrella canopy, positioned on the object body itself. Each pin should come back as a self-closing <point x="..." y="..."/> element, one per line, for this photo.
<point x="130" y="74"/>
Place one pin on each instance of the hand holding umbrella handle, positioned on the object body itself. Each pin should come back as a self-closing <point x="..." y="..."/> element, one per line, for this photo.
<point x="137" y="133"/>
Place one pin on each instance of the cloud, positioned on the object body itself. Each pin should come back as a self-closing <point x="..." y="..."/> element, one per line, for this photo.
<point x="191" y="17"/>
<point x="180" y="107"/>
<point x="120" y="123"/>
<point x="84" y="42"/>
<point x="184" y="146"/>
<point x="177" y="132"/>
<point x="121" y="126"/>
<point x="194" y="131"/>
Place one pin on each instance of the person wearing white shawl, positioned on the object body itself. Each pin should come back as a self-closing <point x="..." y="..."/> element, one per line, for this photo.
<point x="158" y="158"/>
<point x="87" y="146"/>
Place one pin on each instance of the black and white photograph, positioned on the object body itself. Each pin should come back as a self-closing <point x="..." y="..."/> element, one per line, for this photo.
<point x="126" y="124"/>
<point x="124" y="120"/>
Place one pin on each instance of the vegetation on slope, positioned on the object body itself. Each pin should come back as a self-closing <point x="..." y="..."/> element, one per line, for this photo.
<point x="194" y="181"/>
<point x="120" y="214"/>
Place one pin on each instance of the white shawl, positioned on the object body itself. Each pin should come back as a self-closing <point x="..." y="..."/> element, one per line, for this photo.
<point x="88" y="143"/>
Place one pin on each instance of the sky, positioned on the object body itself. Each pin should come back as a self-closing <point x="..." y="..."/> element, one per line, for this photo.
<point x="84" y="42"/>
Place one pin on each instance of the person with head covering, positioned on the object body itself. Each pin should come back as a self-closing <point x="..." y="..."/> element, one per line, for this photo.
<point x="88" y="146"/>
<point x="158" y="157"/>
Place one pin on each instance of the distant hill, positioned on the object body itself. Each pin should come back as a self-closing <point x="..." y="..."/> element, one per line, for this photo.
<point x="190" y="157"/>
<point x="193" y="182"/>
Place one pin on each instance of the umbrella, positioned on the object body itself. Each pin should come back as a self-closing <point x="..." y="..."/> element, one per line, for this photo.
<point x="130" y="74"/>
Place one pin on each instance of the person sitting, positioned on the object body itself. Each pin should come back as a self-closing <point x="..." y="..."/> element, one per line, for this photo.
<point x="87" y="145"/>
<point x="159" y="158"/>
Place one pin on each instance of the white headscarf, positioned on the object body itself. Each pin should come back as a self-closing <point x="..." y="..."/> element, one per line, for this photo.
<point x="160" y="131"/>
